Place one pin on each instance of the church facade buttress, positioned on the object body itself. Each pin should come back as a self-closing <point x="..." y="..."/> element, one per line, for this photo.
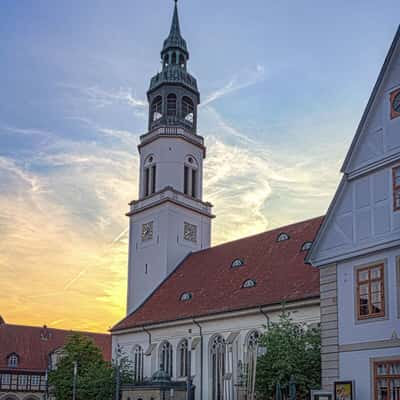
<point x="170" y="218"/>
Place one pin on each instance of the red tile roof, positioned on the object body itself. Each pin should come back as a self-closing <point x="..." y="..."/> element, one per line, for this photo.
<point x="277" y="267"/>
<point x="33" y="349"/>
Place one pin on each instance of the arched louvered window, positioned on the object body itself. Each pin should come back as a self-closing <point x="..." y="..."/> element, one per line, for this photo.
<point x="171" y="105"/>
<point x="183" y="361"/>
<point x="138" y="363"/>
<point x="188" y="109"/>
<point x="156" y="108"/>
<point x="217" y="363"/>
<point x="165" y="358"/>
<point x="173" y="58"/>
<point x="182" y="61"/>
<point x="166" y="60"/>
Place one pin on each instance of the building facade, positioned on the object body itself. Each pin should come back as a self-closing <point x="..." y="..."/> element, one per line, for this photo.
<point x="26" y="355"/>
<point x="196" y="311"/>
<point x="358" y="251"/>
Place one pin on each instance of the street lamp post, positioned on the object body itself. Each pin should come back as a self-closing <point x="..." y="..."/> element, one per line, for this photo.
<point x="74" y="380"/>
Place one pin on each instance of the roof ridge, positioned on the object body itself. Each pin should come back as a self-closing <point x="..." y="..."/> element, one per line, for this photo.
<point x="53" y="329"/>
<point x="281" y="228"/>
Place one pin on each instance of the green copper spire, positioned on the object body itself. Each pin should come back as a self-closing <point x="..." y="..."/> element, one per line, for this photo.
<point x="175" y="39"/>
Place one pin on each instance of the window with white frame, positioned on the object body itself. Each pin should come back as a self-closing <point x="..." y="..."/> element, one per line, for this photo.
<point x="35" y="380"/>
<point x="5" y="379"/>
<point x="22" y="381"/>
<point x="165" y="358"/>
<point x="183" y="360"/>
<point x="13" y="361"/>
<point x="138" y="363"/>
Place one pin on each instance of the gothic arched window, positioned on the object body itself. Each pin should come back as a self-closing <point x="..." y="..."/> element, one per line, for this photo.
<point x="156" y="109"/>
<point x="173" y="58"/>
<point x="138" y="363"/>
<point x="183" y="360"/>
<point x="171" y="105"/>
<point x="250" y="357"/>
<point x="165" y="357"/>
<point x="217" y="361"/>
<point x="188" y="109"/>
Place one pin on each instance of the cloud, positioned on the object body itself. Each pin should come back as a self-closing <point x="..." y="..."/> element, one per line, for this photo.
<point x="240" y="81"/>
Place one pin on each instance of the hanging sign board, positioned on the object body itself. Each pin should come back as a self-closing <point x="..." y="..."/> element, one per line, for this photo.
<point x="344" y="390"/>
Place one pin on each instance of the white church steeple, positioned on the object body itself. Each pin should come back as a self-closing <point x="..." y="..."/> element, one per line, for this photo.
<point x="170" y="219"/>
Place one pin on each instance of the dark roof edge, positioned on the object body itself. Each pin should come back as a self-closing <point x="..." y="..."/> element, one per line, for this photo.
<point x="256" y="306"/>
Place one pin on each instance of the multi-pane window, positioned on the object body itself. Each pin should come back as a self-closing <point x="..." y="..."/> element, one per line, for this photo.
<point x="396" y="188"/>
<point x="138" y="363"/>
<point x="387" y="380"/>
<point x="371" y="292"/>
<point x="183" y="358"/>
<point x="13" y="361"/>
<point x="35" y="380"/>
<point x="5" y="379"/>
<point x="166" y="358"/>
<point x="22" y="381"/>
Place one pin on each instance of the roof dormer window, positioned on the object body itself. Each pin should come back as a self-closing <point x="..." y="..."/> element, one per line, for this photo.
<point x="186" y="296"/>
<point x="237" y="263"/>
<point x="250" y="283"/>
<point x="306" y="246"/>
<point x="282" y="237"/>
<point x="13" y="360"/>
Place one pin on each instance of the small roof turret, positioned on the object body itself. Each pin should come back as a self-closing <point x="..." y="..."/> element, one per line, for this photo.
<point x="175" y="39"/>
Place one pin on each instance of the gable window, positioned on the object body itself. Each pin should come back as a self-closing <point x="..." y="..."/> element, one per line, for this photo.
<point x="282" y="237"/>
<point x="138" y="362"/>
<point x="165" y="358"/>
<point x="13" y="361"/>
<point x="183" y="358"/>
<point x="237" y="263"/>
<point x="371" y="292"/>
<point x="396" y="188"/>
<point x="387" y="379"/>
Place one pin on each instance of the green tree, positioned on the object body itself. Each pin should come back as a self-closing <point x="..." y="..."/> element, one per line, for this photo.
<point x="96" y="378"/>
<point x="293" y="350"/>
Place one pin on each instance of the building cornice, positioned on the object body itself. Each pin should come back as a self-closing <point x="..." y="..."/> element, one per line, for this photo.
<point x="170" y="195"/>
<point x="312" y="301"/>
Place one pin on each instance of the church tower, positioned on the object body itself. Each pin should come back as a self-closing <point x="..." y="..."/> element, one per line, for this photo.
<point x="170" y="218"/>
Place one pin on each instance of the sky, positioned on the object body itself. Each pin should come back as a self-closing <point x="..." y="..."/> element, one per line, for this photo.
<point x="283" y="87"/>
